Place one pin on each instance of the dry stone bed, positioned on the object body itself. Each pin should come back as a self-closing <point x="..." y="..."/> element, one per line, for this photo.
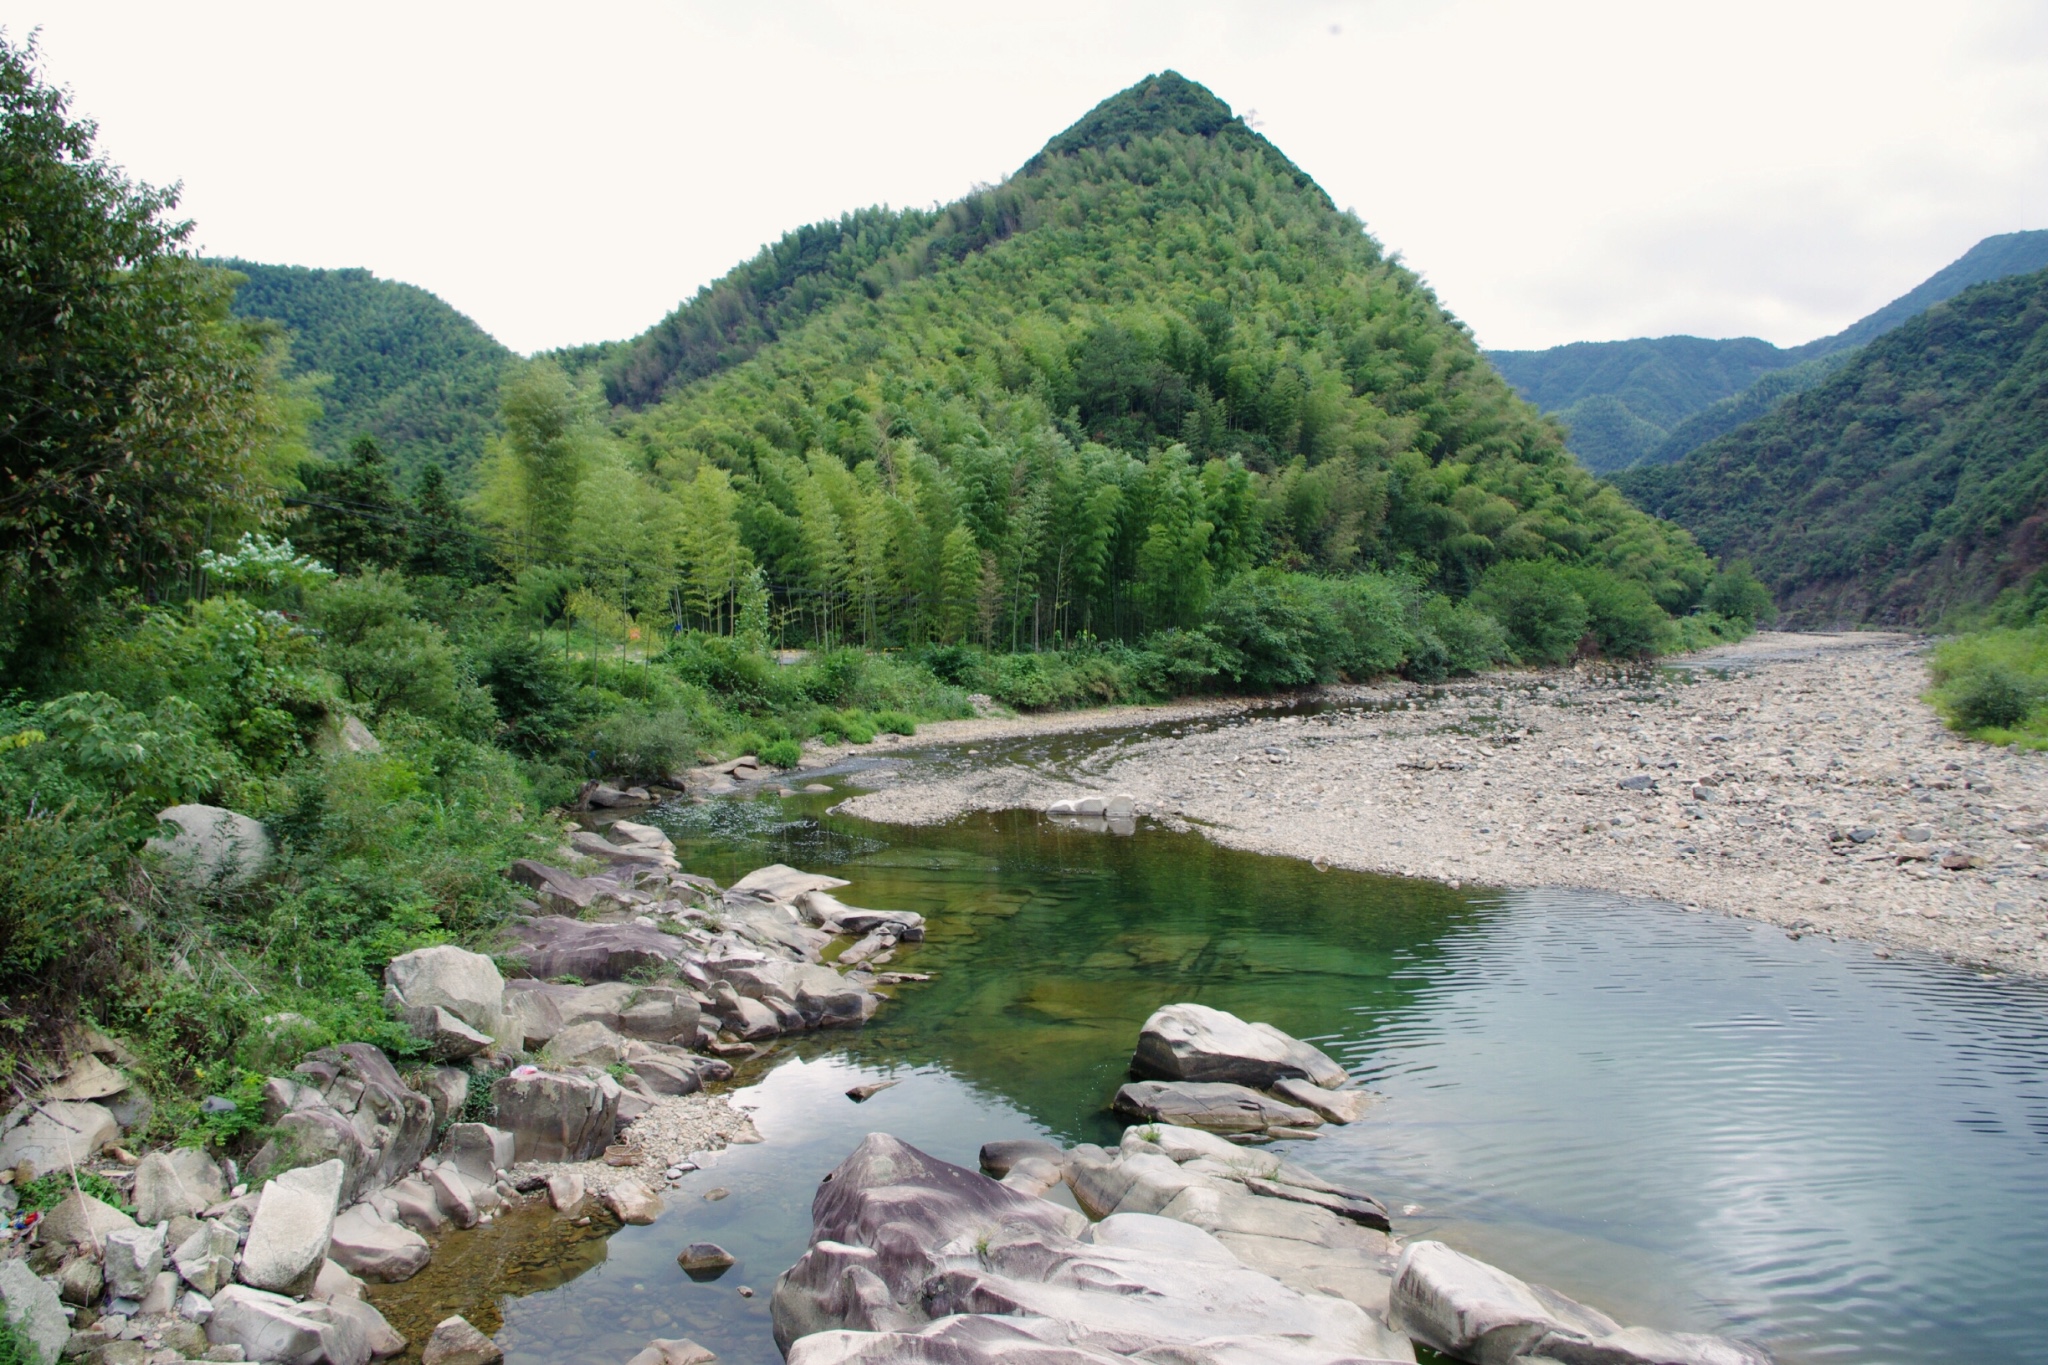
<point x="1797" y="780"/>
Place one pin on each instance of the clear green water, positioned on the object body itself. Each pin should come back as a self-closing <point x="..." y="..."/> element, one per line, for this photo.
<point x="1684" y="1119"/>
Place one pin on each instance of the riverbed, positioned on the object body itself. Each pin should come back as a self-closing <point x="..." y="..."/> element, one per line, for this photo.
<point x="1690" y="1120"/>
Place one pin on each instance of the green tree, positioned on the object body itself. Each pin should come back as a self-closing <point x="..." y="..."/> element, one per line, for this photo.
<point x="533" y="473"/>
<point x="354" y="517"/>
<point x="134" y="413"/>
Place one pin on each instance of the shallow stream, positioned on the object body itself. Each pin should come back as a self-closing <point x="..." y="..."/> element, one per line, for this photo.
<point x="1687" y="1120"/>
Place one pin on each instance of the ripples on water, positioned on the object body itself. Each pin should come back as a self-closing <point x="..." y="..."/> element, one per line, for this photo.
<point x="1687" y="1120"/>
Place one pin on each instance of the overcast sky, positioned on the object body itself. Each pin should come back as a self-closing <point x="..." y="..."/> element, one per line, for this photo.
<point x="1559" y="171"/>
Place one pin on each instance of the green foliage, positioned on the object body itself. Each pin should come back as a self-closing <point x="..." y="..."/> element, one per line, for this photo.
<point x="1537" y="603"/>
<point x="1736" y="593"/>
<point x="1992" y="684"/>
<point x="354" y="519"/>
<point x="390" y="361"/>
<point x="133" y="411"/>
<point x="1624" y="619"/>
<point x="1900" y="489"/>
<point x="55" y="916"/>
<point x="782" y="753"/>
<point x="386" y="658"/>
<point x="47" y="1191"/>
<point x="1453" y="639"/>
<point x="477" y="1104"/>
<point x="894" y="723"/>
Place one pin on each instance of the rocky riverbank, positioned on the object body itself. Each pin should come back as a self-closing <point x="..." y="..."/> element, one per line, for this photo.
<point x="1794" y="779"/>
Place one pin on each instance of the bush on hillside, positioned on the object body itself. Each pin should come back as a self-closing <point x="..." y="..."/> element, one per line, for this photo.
<point x="1622" y="616"/>
<point x="1536" y="603"/>
<point x="1993" y="684"/>
<point x="1737" y="594"/>
<point x="1453" y="639"/>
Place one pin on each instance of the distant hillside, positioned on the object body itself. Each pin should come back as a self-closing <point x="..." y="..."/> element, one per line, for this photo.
<point x="1652" y="400"/>
<point x="1911" y="481"/>
<point x="404" y="367"/>
<point x="1153" y="357"/>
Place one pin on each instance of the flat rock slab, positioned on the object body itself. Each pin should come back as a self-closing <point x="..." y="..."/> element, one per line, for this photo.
<point x="1212" y="1107"/>
<point x="58" y="1135"/>
<point x="552" y="947"/>
<point x="780" y="882"/>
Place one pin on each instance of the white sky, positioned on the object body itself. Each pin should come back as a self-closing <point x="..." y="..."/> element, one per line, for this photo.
<point x="1560" y="171"/>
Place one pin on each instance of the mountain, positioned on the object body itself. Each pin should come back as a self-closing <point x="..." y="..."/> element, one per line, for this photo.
<point x="1651" y="400"/>
<point x="1912" y="480"/>
<point x="1154" y="355"/>
<point x="401" y="365"/>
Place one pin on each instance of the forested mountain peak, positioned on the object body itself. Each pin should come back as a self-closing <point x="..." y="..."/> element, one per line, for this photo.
<point x="1073" y="403"/>
<point x="1166" y="103"/>
<point x="399" y="364"/>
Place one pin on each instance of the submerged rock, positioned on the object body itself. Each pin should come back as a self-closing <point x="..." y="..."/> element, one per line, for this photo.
<point x="1190" y="1042"/>
<point x="456" y="1342"/>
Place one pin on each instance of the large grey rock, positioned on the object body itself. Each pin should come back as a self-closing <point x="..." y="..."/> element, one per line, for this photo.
<point x="822" y="998"/>
<point x="446" y="1037"/>
<point x="913" y="1259"/>
<point x="181" y="1180"/>
<point x="456" y="1342"/>
<point x="780" y="882"/>
<point x="672" y="1351"/>
<point x="467" y="985"/>
<point x="1190" y="1042"/>
<point x="133" y="1256"/>
<point x="998" y="1157"/>
<point x="1216" y="1107"/>
<point x="559" y="892"/>
<point x="446" y="1089"/>
<point x="206" y="1259"/>
<point x="270" y="1326"/>
<point x="57" y="1135"/>
<point x="1472" y="1311"/>
<point x="585" y="1044"/>
<point x="211" y="849"/>
<point x="349" y="1104"/>
<point x="88" y="1079"/>
<point x="34" y="1311"/>
<point x="293" y="1224"/>
<point x="828" y="912"/>
<point x="552" y="946"/>
<point x="378" y="1336"/>
<point x="479" y="1151"/>
<point x="632" y="1202"/>
<point x="364" y="1244"/>
<point x="80" y="1221"/>
<point x="554" y="1116"/>
<point x="656" y="1014"/>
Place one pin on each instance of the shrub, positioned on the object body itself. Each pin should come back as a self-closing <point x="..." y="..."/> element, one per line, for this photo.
<point x="1453" y="639"/>
<point x="1371" y="614"/>
<point x="782" y="753"/>
<point x="1535" y="603"/>
<point x="1993" y="697"/>
<point x="1736" y="594"/>
<point x="530" y="690"/>
<point x="635" y="742"/>
<point x="1621" y="614"/>
<point x="1992" y="683"/>
<point x="894" y="723"/>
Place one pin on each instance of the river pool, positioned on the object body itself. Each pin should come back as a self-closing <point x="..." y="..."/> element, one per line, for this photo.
<point x="1690" y="1121"/>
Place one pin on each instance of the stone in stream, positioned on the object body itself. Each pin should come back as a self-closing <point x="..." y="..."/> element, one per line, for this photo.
<point x="364" y="1244"/>
<point x="632" y="1202"/>
<point x="456" y="1342"/>
<point x="554" y="1116"/>
<point x="1033" y="1175"/>
<point x="559" y="892"/>
<point x="1215" y="1107"/>
<point x="672" y="1351"/>
<point x="998" y="1157"/>
<point x="1190" y="1042"/>
<point x="478" y="1150"/>
<point x="288" y="1238"/>
<point x="915" y="1259"/>
<point x="567" y="1193"/>
<point x="182" y="1180"/>
<point x="1336" y="1106"/>
<point x="1467" y="1309"/>
<point x="705" y="1260"/>
<point x="780" y="882"/>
